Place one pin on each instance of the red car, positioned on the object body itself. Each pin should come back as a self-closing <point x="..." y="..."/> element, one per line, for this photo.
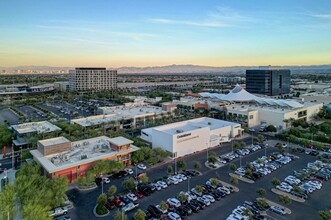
<point x="316" y="179"/>
<point x="139" y="194"/>
<point x="110" y="205"/>
<point x="118" y="203"/>
<point x="310" y="146"/>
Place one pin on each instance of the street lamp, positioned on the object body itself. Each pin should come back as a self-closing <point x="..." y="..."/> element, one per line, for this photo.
<point x="188" y="183"/>
<point x="174" y="158"/>
<point x="7" y="213"/>
<point x="207" y="145"/>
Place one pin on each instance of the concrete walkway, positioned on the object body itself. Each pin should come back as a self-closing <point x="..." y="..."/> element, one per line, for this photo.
<point x="10" y="174"/>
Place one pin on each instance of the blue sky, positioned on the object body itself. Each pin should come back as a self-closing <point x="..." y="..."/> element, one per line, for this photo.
<point x="154" y="32"/>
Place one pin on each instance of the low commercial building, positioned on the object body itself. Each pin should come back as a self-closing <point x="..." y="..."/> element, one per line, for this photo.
<point x="60" y="157"/>
<point x="21" y="131"/>
<point x="62" y="86"/>
<point x="191" y="136"/>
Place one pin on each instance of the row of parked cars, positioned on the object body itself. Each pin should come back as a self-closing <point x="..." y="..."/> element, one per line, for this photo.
<point x="264" y="166"/>
<point x="194" y="202"/>
<point x="252" y="210"/>
<point x="240" y="152"/>
<point x="306" y="181"/>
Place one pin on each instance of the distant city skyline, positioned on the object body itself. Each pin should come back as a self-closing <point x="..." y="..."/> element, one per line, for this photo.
<point x="157" y="33"/>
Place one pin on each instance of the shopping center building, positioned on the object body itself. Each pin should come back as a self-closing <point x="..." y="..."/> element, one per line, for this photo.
<point x="191" y="136"/>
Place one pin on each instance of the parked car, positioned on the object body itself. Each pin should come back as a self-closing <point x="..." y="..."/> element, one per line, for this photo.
<point x="155" y="212"/>
<point x="277" y="210"/>
<point x="162" y="184"/>
<point x="132" y="197"/>
<point x="174" y="216"/>
<point x="130" y="206"/>
<point x="141" y="166"/>
<point x="128" y="170"/>
<point x="174" y="202"/>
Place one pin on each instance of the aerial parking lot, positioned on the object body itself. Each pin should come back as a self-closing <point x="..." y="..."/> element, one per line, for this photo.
<point x="223" y="207"/>
<point x="31" y="113"/>
<point x="7" y="115"/>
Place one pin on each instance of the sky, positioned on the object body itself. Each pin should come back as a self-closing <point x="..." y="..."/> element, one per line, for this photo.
<point x="156" y="32"/>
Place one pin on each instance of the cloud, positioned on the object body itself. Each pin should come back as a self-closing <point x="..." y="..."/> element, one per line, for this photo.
<point x="221" y="17"/>
<point x="188" y="23"/>
<point x="323" y="16"/>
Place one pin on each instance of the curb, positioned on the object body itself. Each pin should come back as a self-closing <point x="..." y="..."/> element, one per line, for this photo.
<point x="94" y="187"/>
<point x="294" y="198"/>
<point x="99" y="216"/>
<point x="241" y="178"/>
<point x="207" y="165"/>
<point x="236" y="189"/>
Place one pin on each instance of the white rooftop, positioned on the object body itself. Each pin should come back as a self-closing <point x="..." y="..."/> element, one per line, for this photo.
<point x="96" y="120"/>
<point x="190" y="125"/>
<point x="39" y="127"/>
<point x="82" y="152"/>
<point x="133" y="111"/>
<point x="53" y="141"/>
<point x="238" y="94"/>
<point x="120" y="141"/>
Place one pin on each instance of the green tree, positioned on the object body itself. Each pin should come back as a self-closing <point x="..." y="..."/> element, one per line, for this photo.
<point x="242" y="144"/>
<point x="248" y="165"/>
<point x="248" y="172"/>
<point x="34" y="211"/>
<point x="275" y="181"/>
<point x="5" y="136"/>
<point x="197" y="164"/>
<point x="182" y="197"/>
<point x="160" y="153"/>
<point x="7" y="200"/>
<point x="148" y="152"/>
<point x="214" y="182"/>
<point x="297" y="189"/>
<point x="284" y="199"/>
<point x="144" y="179"/>
<point x="129" y="184"/>
<point x="120" y="216"/>
<point x="325" y="214"/>
<point x="233" y="167"/>
<point x="261" y="191"/>
<point x="102" y="199"/>
<point x="181" y="164"/>
<point x="212" y="160"/>
<point x="260" y="138"/>
<point x="199" y="188"/>
<point x="271" y="128"/>
<point x="169" y="169"/>
<point x="248" y="212"/>
<point x="112" y="190"/>
<point x="236" y="145"/>
<point x="212" y="154"/>
<point x="58" y="187"/>
<point x="137" y="156"/>
<point x="261" y="202"/>
<point x="234" y="180"/>
<point x="164" y="205"/>
<point x="139" y="215"/>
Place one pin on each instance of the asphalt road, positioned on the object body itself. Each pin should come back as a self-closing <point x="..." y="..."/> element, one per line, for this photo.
<point x="30" y="112"/>
<point x="9" y="115"/>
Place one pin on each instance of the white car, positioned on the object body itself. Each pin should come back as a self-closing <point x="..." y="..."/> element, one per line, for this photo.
<point x="157" y="186"/>
<point x="224" y="189"/>
<point x="173" y="180"/>
<point x="130" y="206"/>
<point x="178" y="178"/>
<point x="174" y="216"/>
<point x="204" y="200"/>
<point x="164" y="211"/>
<point x="162" y="184"/>
<point x="106" y="180"/>
<point x="182" y="176"/>
<point x="141" y="166"/>
<point x="221" y="161"/>
<point x="277" y="210"/>
<point x="283" y="188"/>
<point x="195" y="192"/>
<point x="128" y="170"/>
<point x="174" y="202"/>
<point x="132" y="197"/>
<point x="211" y="198"/>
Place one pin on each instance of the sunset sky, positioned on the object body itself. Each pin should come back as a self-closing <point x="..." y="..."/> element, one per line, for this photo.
<point x="157" y="32"/>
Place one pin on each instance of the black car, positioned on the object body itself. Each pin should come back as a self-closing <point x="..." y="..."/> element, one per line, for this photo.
<point x="200" y="204"/>
<point x="314" y="153"/>
<point x="208" y="187"/>
<point x="155" y="212"/>
<point x="118" y="175"/>
<point x="123" y="173"/>
<point x="148" y="215"/>
<point x="223" y="194"/>
<point x="194" y="206"/>
<point x="216" y="195"/>
<point x="299" y="194"/>
<point x="181" y="213"/>
<point x="185" y="209"/>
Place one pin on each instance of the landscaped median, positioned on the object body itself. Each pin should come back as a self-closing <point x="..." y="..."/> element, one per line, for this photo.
<point x="282" y="193"/>
<point x="271" y="203"/>
<point x="241" y="178"/>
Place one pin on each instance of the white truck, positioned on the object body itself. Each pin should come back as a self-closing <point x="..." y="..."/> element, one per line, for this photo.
<point x="59" y="211"/>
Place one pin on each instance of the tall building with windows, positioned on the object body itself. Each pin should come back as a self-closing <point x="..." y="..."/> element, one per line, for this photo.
<point x="91" y="79"/>
<point x="270" y="82"/>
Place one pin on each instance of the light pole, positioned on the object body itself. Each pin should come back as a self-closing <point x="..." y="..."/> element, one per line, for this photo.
<point x="252" y="137"/>
<point x="175" y="155"/>
<point x="21" y="156"/>
<point x="188" y="184"/>
<point x="207" y="150"/>
<point x="7" y="213"/>
<point x="136" y="177"/>
<point x="12" y="156"/>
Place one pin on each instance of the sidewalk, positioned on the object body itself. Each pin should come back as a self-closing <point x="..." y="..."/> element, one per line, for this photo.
<point x="10" y="175"/>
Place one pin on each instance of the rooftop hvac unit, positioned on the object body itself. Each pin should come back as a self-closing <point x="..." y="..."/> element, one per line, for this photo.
<point x="56" y="160"/>
<point x="84" y="156"/>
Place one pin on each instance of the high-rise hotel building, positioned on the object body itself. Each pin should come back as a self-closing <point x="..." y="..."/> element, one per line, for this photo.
<point x="92" y="79"/>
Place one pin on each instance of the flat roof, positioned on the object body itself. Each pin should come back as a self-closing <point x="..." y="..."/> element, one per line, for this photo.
<point x="190" y="125"/>
<point x="96" y="120"/>
<point x="53" y="141"/>
<point x="39" y="127"/>
<point x="133" y="111"/>
<point x="82" y="152"/>
<point x="119" y="141"/>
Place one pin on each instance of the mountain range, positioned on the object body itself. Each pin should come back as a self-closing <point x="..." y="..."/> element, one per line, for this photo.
<point x="180" y="69"/>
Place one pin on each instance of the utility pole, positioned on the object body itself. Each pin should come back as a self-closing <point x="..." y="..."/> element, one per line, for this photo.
<point x="12" y="156"/>
<point x="188" y="183"/>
